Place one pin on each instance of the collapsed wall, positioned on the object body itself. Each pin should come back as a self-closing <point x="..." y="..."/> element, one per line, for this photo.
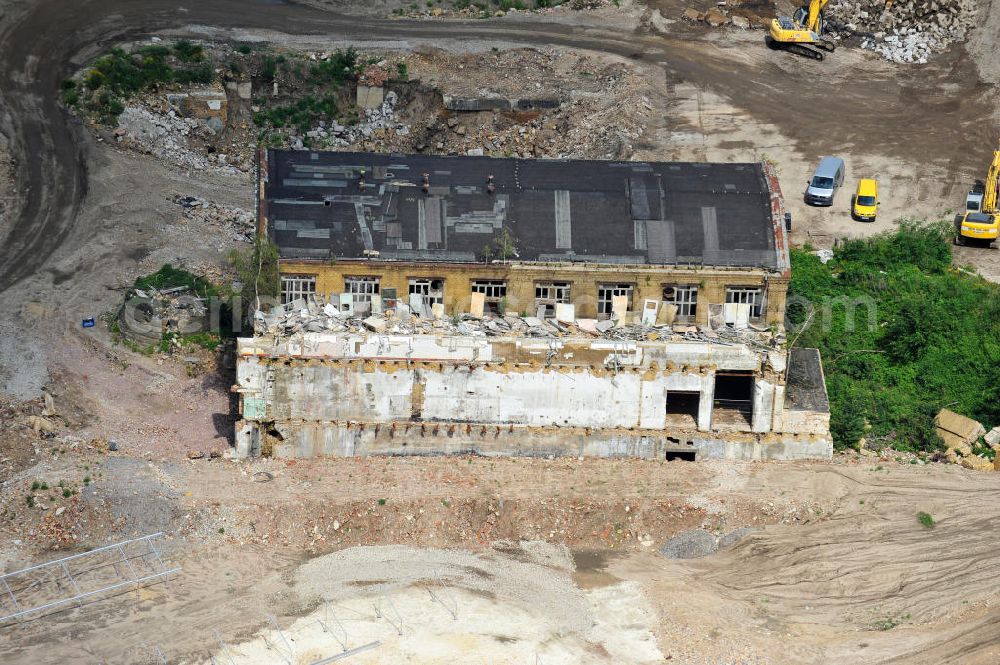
<point x="359" y="394"/>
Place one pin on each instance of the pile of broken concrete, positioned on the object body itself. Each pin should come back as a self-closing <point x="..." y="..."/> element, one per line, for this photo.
<point x="312" y="315"/>
<point x="379" y="123"/>
<point x="905" y="31"/>
<point x="240" y="224"/>
<point x="960" y="434"/>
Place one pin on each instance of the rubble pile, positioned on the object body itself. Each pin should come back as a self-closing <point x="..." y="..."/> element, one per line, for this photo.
<point x="909" y="31"/>
<point x="168" y="137"/>
<point x="238" y="223"/>
<point x="147" y="315"/>
<point x="561" y="105"/>
<point x="967" y="442"/>
<point x="378" y="123"/>
<point x="312" y="315"/>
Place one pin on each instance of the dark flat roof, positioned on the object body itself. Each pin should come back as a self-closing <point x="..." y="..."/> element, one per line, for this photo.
<point x="805" y="389"/>
<point x="556" y="210"/>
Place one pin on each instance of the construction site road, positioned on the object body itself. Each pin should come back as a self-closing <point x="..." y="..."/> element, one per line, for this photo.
<point x="43" y="41"/>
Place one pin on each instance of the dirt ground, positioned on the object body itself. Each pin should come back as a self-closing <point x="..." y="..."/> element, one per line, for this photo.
<point x="840" y="570"/>
<point x="561" y="555"/>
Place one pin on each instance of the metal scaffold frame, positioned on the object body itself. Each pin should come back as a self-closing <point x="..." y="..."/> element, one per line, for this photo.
<point x="71" y="580"/>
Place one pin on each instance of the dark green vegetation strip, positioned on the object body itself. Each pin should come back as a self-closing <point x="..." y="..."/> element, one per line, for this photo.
<point x="935" y="341"/>
<point x="119" y="75"/>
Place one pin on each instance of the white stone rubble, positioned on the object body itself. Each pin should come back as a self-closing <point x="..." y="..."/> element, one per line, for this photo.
<point x="911" y="31"/>
<point x="333" y="134"/>
<point x="166" y="138"/>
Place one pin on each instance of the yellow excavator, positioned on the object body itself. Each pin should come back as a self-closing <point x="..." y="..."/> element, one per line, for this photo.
<point x="801" y="33"/>
<point x="979" y="221"/>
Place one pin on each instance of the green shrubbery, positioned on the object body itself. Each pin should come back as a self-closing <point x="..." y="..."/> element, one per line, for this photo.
<point x="168" y="277"/>
<point x="935" y="341"/>
<point x="303" y="114"/>
<point x="118" y="75"/>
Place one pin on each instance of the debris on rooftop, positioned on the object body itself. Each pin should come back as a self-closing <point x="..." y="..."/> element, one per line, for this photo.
<point x="312" y="315"/>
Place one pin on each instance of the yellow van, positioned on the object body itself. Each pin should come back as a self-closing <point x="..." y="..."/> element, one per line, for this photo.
<point x="865" y="201"/>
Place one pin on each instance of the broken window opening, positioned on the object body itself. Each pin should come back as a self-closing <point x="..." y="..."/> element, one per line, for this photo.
<point x="733" y="401"/>
<point x="296" y="286"/>
<point x="683" y="455"/>
<point x="494" y="291"/>
<point x="684" y="297"/>
<point x="747" y="295"/>
<point x="548" y="294"/>
<point x="432" y="290"/>
<point x="605" y="294"/>
<point x="682" y="408"/>
<point x="361" y="288"/>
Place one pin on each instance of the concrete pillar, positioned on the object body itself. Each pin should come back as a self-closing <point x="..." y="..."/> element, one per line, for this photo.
<point x="763" y="406"/>
<point x="247" y="439"/>
<point x="705" y="403"/>
<point x="777" y="419"/>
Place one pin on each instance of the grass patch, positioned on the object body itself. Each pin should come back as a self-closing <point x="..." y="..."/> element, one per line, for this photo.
<point x="168" y="277"/>
<point x="890" y="622"/>
<point x="303" y="114"/>
<point x="925" y="520"/>
<point x="902" y="334"/>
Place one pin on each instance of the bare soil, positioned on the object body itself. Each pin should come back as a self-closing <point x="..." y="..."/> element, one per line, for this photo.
<point x="841" y="571"/>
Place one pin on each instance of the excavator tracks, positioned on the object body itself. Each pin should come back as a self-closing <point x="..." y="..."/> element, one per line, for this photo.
<point x="812" y="50"/>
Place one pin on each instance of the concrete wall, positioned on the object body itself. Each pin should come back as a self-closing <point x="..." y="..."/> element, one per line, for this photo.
<point x="358" y="394"/>
<point x="648" y="282"/>
<point x="544" y="397"/>
<point x="303" y="440"/>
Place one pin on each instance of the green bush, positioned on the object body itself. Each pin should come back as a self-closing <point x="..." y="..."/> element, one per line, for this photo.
<point x="268" y="68"/>
<point x="203" y="74"/>
<point x="187" y="51"/>
<point x="337" y="68"/>
<point x="168" y="277"/>
<point x="118" y="75"/>
<point x="304" y="113"/>
<point x="935" y="341"/>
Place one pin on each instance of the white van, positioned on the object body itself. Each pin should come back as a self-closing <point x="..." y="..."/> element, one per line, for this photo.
<point x="827" y="179"/>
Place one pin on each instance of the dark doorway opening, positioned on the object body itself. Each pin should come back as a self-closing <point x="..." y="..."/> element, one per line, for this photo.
<point x="733" y="402"/>
<point x="682" y="408"/>
<point x="683" y="455"/>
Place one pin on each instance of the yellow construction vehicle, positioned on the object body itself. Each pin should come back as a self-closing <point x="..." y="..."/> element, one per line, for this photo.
<point x="979" y="221"/>
<point x="801" y="33"/>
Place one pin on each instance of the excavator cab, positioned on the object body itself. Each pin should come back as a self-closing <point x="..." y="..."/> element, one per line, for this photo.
<point x="801" y="17"/>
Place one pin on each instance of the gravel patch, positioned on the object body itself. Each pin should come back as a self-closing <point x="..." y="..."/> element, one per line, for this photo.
<point x="690" y="545"/>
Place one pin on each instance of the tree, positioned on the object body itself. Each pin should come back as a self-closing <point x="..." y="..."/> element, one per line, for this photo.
<point x="257" y="269"/>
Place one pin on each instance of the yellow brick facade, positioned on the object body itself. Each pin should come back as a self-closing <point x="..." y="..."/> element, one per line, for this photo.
<point x="522" y="278"/>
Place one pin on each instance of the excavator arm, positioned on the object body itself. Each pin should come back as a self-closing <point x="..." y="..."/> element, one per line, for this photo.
<point x="991" y="185"/>
<point x="815" y="9"/>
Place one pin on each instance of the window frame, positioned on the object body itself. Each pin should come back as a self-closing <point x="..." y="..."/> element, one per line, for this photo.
<point x="494" y="291"/>
<point x="362" y="299"/>
<point x="685" y="298"/>
<point x="604" y="306"/>
<point x="549" y="294"/>
<point x="740" y="295"/>
<point x="298" y="280"/>
<point x="422" y="286"/>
